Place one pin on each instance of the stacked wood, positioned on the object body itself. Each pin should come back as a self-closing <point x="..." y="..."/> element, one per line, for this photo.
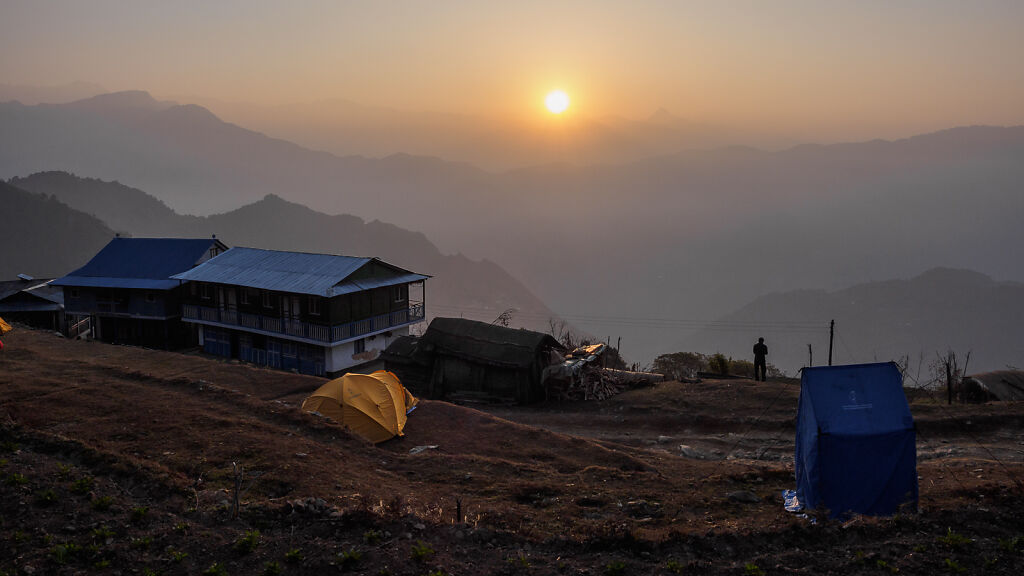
<point x="594" y="383"/>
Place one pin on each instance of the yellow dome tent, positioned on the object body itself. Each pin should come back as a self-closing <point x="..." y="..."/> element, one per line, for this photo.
<point x="4" y="327"/>
<point x="373" y="406"/>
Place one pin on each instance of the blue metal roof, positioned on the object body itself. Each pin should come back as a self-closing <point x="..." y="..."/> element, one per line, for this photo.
<point x="295" y="272"/>
<point x="146" y="263"/>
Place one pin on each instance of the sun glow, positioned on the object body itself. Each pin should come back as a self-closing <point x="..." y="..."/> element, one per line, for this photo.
<point x="557" y="101"/>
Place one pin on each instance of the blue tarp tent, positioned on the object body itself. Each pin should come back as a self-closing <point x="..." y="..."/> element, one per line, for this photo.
<point x="856" y="446"/>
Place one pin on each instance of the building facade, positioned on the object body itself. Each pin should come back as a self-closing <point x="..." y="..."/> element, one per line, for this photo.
<point x="126" y="292"/>
<point x="316" y="314"/>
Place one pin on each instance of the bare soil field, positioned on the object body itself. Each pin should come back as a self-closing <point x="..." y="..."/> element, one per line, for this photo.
<point x="120" y="460"/>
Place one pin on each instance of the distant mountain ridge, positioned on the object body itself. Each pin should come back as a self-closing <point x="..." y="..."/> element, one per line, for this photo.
<point x="939" y="310"/>
<point x="689" y="235"/>
<point x="42" y="237"/>
<point x="476" y="289"/>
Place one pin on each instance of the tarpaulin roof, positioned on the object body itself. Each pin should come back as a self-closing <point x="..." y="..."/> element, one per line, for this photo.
<point x="1003" y="384"/>
<point x="486" y="343"/>
<point x="143" y="263"/>
<point x="297" y="272"/>
<point x="855" y="440"/>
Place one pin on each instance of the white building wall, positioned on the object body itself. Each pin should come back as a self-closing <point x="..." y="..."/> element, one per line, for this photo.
<point x="343" y="356"/>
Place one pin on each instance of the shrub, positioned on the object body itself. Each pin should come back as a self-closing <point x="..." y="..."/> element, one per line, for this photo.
<point x="272" y="569"/>
<point x="46" y="497"/>
<point x="348" y="559"/>
<point x="102" y="533"/>
<point x="102" y="503"/>
<point x="139" y="513"/>
<point x="674" y="567"/>
<point x="616" y="568"/>
<point x="372" y="536"/>
<point x="751" y="569"/>
<point x="64" y="471"/>
<point x="247" y="543"/>
<point x="83" y="485"/>
<point x="177" y="556"/>
<point x="16" y="480"/>
<point x="293" y="556"/>
<point x="216" y="569"/>
<point x="718" y="363"/>
<point x="421" y="552"/>
<point x="142" y="543"/>
<point x="953" y="540"/>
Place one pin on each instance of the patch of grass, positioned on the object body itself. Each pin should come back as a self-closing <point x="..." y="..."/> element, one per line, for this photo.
<point x="248" y="543"/>
<point x="102" y="504"/>
<point x="216" y="569"/>
<point x="177" y="556"/>
<point x="19" y="536"/>
<point x="15" y="479"/>
<point x="674" y="567"/>
<point x="102" y="533"/>
<point x="1014" y="544"/>
<point x="149" y="572"/>
<point x="883" y="565"/>
<point x="954" y="566"/>
<point x="372" y="536"/>
<point x="519" y="561"/>
<point x="62" y="553"/>
<point x="421" y="552"/>
<point x="46" y="498"/>
<point x="953" y="539"/>
<point x="64" y="471"/>
<point x="348" y="559"/>
<point x="272" y="569"/>
<point x="751" y="569"/>
<point x="615" y="568"/>
<point x="83" y="485"/>
<point x="101" y="564"/>
<point x="293" y="556"/>
<point x="141" y="543"/>
<point x="139" y="514"/>
<point x="181" y="527"/>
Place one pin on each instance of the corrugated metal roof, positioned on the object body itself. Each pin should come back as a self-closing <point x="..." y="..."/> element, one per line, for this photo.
<point x="487" y="343"/>
<point x="295" y="272"/>
<point x="145" y="263"/>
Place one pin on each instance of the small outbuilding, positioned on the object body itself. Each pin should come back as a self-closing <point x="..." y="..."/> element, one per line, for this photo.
<point x="855" y="441"/>
<point x="467" y="359"/>
<point x="998" y="385"/>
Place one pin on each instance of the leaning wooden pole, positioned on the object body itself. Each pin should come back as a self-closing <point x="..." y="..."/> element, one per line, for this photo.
<point x="831" y="334"/>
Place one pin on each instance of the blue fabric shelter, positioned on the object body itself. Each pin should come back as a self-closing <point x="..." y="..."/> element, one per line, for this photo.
<point x="856" y="446"/>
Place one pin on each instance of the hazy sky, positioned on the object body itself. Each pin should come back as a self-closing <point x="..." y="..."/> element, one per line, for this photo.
<point x="810" y="67"/>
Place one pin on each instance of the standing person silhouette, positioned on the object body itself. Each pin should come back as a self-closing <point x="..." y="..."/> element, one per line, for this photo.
<point x="760" y="351"/>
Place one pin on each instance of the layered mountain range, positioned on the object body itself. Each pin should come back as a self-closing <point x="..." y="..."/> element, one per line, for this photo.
<point x="648" y="250"/>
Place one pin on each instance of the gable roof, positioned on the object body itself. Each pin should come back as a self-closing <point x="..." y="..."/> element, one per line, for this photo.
<point x="29" y="295"/>
<point x="486" y="343"/>
<point x="144" y="263"/>
<point x="296" y="272"/>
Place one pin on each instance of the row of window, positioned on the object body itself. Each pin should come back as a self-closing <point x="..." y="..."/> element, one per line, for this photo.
<point x="115" y="296"/>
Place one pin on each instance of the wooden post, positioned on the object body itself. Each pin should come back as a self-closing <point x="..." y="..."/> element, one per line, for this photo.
<point x="810" y="356"/>
<point x="831" y="333"/>
<point x="949" y="379"/>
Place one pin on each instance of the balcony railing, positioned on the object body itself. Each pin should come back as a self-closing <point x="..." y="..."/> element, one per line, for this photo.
<point x="304" y="330"/>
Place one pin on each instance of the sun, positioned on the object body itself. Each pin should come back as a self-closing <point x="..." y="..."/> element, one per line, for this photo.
<point x="557" y="101"/>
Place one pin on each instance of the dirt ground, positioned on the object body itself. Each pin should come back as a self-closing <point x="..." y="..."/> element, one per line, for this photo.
<point x="121" y="460"/>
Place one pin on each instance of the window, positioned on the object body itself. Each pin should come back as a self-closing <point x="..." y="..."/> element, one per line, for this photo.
<point x="205" y="291"/>
<point x="266" y="299"/>
<point x="314" y="306"/>
<point x="74" y="292"/>
<point x="359" y="345"/>
<point x="150" y="297"/>
<point x="245" y="296"/>
<point x="398" y="293"/>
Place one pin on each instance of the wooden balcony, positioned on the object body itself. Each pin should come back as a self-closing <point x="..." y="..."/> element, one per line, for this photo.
<point x="302" y="330"/>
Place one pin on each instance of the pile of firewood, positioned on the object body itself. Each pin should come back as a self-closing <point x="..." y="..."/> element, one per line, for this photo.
<point x="594" y="383"/>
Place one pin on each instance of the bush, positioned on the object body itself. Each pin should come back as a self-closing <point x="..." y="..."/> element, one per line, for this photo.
<point x="718" y="363"/>
<point x="421" y="552"/>
<point x="248" y="543"/>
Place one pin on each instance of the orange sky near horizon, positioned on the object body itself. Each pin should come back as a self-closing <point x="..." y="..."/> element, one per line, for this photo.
<point x="809" y="68"/>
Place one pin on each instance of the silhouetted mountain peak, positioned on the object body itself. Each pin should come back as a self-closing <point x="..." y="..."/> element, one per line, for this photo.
<point x="662" y="116"/>
<point x="953" y="277"/>
<point x="139" y="99"/>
